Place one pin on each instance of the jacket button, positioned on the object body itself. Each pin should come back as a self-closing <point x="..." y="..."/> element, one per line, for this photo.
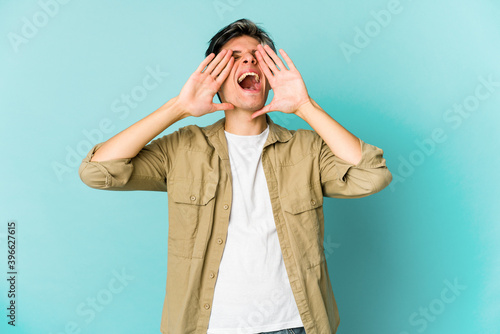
<point x="226" y="207"/>
<point x="207" y="306"/>
<point x="313" y="202"/>
<point x="212" y="275"/>
<point x="219" y="241"/>
<point x="193" y="197"/>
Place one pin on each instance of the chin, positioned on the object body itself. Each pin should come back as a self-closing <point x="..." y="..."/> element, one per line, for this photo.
<point x="251" y="106"/>
<point x="246" y="99"/>
<point x="248" y="102"/>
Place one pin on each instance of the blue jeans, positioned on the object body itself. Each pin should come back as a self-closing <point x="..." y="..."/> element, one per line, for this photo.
<point x="297" y="330"/>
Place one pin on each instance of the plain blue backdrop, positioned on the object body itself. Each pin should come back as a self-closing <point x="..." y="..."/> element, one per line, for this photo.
<point x="420" y="79"/>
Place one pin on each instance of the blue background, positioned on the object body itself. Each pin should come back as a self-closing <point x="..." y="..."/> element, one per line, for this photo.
<point x="389" y="255"/>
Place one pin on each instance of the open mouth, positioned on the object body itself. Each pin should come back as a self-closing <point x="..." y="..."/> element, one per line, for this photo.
<point x="249" y="82"/>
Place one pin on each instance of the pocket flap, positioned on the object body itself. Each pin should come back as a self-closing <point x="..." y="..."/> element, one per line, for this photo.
<point x="303" y="199"/>
<point x="193" y="192"/>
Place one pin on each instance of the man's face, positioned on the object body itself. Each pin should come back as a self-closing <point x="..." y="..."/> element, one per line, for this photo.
<point x="245" y="91"/>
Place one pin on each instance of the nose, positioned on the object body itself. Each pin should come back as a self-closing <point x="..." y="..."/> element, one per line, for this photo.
<point x="249" y="58"/>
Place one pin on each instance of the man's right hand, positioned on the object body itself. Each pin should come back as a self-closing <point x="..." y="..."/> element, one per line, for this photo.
<point x="196" y="97"/>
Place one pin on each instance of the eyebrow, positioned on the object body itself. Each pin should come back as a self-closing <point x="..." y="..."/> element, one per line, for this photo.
<point x="238" y="51"/>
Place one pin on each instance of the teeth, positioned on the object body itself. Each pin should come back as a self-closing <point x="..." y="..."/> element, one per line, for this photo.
<point x="244" y="75"/>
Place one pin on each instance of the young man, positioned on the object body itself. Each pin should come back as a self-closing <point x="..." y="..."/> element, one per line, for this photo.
<point x="245" y="195"/>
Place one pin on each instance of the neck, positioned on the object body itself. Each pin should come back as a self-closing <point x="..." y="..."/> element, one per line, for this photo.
<point x="239" y="122"/>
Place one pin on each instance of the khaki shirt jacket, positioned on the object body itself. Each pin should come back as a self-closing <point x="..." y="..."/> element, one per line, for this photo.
<point x="192" y="165"/>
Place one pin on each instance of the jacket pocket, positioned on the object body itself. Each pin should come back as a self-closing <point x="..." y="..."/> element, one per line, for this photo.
<point x="191" y="206"/>
<point x="303" y="212"/>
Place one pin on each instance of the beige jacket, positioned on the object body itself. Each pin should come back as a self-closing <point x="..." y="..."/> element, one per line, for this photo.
<point x="192" y="165"/>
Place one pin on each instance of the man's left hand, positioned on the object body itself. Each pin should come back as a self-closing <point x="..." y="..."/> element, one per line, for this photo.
<point x="290" y="91"/>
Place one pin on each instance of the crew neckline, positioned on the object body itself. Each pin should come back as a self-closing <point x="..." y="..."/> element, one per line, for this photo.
<point x="249" y="136"/>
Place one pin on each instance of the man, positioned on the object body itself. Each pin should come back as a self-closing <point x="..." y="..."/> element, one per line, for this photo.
<point x="245" y="195"/>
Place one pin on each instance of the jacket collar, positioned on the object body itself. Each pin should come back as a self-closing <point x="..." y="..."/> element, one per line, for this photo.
<point x="276" y="132"/>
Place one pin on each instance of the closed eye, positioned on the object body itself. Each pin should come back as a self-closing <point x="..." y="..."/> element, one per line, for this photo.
<point x="236" y="53"/>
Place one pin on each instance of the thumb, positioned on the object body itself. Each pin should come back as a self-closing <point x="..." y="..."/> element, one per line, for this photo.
<point x="262" y="111"/>
<point x="222" y="106"/>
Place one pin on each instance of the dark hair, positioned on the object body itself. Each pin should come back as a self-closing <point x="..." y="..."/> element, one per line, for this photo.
<point x="236" y="29"/>
<point x="241" y="27"/>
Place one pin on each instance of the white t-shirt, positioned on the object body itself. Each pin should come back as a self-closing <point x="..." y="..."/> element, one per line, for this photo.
<point x="252" y="291"/>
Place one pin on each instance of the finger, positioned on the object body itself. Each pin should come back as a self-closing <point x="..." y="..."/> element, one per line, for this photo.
<point x="215" y="61"/>
<point x="274" y="56"/>
<point x="267" y="59"/>
<point x="222" y="106"/>
<point x="266" y="54"/>
<point x="222" y="64"/>
<point x="205" y="62"/>
<point x="223" y="75"/>
<point x="288" y="61"/>
<point x="263" y="66"/>
<point x="261" y="111"/>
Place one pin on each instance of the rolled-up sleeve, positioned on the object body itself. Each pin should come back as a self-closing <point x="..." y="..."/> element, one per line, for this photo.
<point x="148" y="170"/>
<point x="342" y="179"/>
